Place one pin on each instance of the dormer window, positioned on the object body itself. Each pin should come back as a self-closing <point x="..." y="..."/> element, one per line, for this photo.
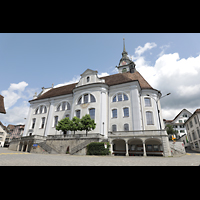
<point x="88" y="79"/>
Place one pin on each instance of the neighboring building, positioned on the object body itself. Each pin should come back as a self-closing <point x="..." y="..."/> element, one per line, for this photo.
<point x="2" y="109"/>
<point x="125" y="107"/>
<point x="16" y="131"/>
<point x="193" y="130"/>
<point x="3" y="133"/>
<point x="178" y="122"/>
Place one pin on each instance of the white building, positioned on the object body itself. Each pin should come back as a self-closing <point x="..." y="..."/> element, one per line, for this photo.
<point x="178" y="122"/>
<point x="3" y="133"/>
<point x="193" y="130"/>
<point x="123" y="105"/>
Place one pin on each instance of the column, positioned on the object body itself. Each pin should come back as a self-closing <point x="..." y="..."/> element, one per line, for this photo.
<point x="111" y="148"/>
<point x="26" y="147"/>
<point x="144" y="149"/>
<point x="127" y="148"/>
<point x="49" y="118"/>
<point x="103" y="113"/>
<point x="135" y="108"/>
<point x="28" y="119"/>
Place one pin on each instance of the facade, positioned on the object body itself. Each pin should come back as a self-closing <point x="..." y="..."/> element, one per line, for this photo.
<point x="3" y="133"/>
<point x="125" y="108"/>
<point x="193" y="130"/>
<point x="16" y="131"/>
<point x="178" y="122"/>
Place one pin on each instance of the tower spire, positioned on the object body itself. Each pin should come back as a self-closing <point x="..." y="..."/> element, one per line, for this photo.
<point x="124" y="45"/>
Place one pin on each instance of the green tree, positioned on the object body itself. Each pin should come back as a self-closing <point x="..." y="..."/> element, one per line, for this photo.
<point x="170" y="130"/>
<point x="87" y="123"/>
<point x="64" y="125"/>
<point x="75" y="125"/>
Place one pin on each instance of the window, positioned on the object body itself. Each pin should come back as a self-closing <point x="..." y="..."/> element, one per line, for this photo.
<point x="180" y="121"/>
<point x="198" y="132"/>
<point x="78" y="114"/>
<point x="36" y="111"/>
<point x="147" y="102"/>
<point x="126" y="112"/>
<point x="114" y="113"/>
<point x="88" y="79"/>
<point x="194" y="135"/>
<point x="58" y="108"/>
<point x="124" y="70"/>
<point x="92" y="99"/>
<point x="43" y="120"/>
<point x="149" y="117"/>
<point x="86" y="98"/>
<point x="33" y="123"/>
<point x="63" y="105"/>
<point x="188" y="127"/>
<point x="120" y="97"/>
<point x="41" y="108"/>
<point x="45" y="109"/>
<point x="67" y="115"/>
<point x="191" y="125"/>
<point x="195" y="119"/>
<point x="114" y="128"/>
<point x="68" y="106"/>
<point x="126" y="127"/>
<point x="92" y="113"/>
<point x="80" y="101"/>
<point x="55" y="121"/>
<point x="125" y="98"/>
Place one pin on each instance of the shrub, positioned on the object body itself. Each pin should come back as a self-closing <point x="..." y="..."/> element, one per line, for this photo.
<point x="98" y="148"/>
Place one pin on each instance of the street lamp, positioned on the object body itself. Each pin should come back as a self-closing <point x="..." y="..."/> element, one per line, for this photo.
<point x="157" y="105"/>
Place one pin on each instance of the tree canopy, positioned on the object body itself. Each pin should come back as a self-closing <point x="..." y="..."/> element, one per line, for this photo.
<point x="76" y="124"/>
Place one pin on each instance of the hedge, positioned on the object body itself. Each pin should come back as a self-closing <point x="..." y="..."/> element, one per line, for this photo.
<point x="98" y="148"/>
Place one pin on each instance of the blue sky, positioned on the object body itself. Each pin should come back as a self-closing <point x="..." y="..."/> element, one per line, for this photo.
<point x="30" y="61"/>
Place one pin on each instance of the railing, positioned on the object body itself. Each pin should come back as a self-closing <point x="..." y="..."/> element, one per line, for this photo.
<point x="76" y="136"/>
<point x="33" y="137"/>
<point x="137" y="133"/>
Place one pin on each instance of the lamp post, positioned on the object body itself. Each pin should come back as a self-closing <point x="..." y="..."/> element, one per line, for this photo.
<point x="157" y="106"/>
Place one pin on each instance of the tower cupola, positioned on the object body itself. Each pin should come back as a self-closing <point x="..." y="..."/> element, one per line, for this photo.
<point x="125" y="64"/>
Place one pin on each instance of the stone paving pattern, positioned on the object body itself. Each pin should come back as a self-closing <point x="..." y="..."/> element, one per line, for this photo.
<point x="13" y="158"/>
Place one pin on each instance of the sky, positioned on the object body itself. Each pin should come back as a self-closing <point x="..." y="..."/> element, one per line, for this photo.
<point x="170" y="62"/>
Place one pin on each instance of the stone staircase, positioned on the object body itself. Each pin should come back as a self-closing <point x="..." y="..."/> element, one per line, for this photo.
<point x="80" y="146"/>
<point x="47" y="148"/>
<point x="177" y="148"/>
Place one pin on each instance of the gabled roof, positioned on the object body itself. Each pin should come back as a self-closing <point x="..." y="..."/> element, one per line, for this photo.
<point x="2" y="109"/>
<point x="115" y="79"/>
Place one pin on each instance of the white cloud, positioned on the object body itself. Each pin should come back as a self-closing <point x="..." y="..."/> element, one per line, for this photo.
<point x="16" y="114"/>
<point x="75" y="79"/>
<point x="103" y="74"/>
<point x="140" y="50"/>
<point x="13" y="93"/>
<point x="171" y="74"/>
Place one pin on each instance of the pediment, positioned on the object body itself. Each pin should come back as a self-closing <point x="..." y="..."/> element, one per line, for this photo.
<point x="89" y="72"/>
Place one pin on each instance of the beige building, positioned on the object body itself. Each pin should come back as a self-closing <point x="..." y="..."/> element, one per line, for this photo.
<point x="193" y="130"/>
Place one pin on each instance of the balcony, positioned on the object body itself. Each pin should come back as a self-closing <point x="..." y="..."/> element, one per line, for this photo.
<point x="147" y="133"/>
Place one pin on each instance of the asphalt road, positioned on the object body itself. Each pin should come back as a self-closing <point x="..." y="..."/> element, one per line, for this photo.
<point x="14" y="158"/>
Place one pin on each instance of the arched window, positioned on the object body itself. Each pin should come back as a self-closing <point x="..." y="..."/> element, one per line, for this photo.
<point x="126" y="127"/>
<point x="88" y="79"/>
<point x="41" y="109"/>
<point x="92" y="99"/>
<point x="78" y="114"/>
<point x="120" y="97"/>
<point x="62" y="106"/>
<point x="149" y="117"/>
<point x="147" y="102"/>
<point x="86" y="98"/>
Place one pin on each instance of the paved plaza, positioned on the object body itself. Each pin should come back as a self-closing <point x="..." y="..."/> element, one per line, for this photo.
<point x="14" y="158"/>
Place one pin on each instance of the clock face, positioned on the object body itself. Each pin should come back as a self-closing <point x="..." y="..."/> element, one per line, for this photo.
<point x="123" y="63"/>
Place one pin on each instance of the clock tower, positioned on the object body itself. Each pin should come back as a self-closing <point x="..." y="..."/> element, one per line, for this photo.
<point x="125" y="64"/>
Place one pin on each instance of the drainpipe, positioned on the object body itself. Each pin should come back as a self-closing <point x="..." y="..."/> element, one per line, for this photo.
<point x="47" y="117"/>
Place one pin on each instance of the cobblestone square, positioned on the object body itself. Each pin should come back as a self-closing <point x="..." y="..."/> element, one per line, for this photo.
<point x="14" y="158"/>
